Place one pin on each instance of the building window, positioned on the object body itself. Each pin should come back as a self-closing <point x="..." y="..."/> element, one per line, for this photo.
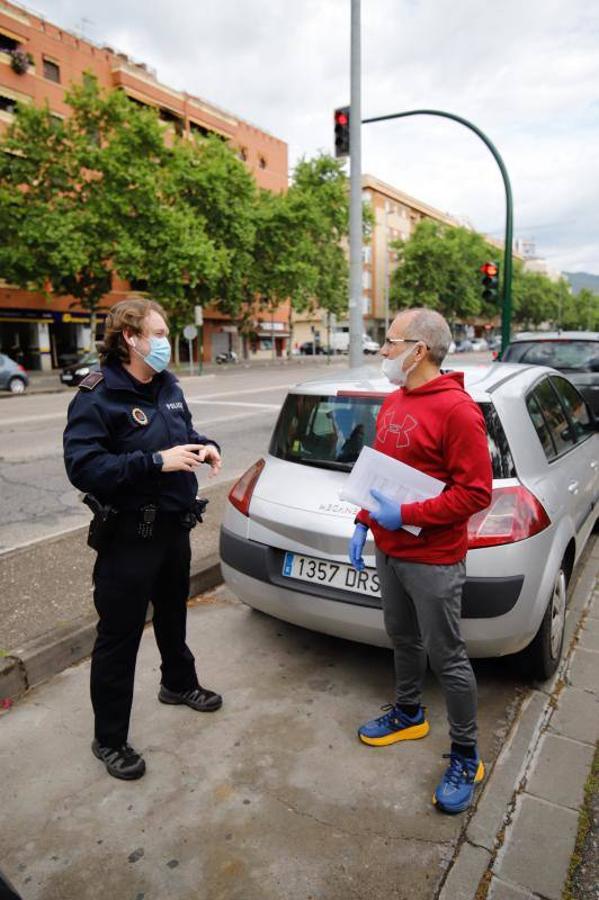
<point x="171" y="118"/>
<point x="7" y="43"/>
<point x="7" y="104"/>
<point x="367" y="254"/>
<point x="51" y="71"/>
<point x="243" y="154"/>
<point x="262" y="162"/>
<point x="366" y="279"/>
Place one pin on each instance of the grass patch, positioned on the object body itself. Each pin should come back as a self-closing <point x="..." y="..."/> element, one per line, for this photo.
<point x="586" y="824"/>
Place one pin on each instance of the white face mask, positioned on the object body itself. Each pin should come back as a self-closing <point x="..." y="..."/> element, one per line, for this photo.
<point x="393" y="368"/>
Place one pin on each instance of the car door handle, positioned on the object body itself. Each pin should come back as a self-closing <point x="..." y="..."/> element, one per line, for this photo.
<point x="573" y="488"/>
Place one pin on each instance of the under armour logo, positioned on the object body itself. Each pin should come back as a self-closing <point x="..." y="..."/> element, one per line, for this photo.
<point x="402" y="431"/>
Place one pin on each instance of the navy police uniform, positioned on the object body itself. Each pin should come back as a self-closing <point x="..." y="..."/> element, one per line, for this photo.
<point x="115" y="427"/>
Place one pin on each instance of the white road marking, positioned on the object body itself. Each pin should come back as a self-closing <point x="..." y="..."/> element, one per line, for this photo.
<point x="236" y="403"/>
<point x="25" y="420"/>
<point x="254" y="390"/>
<point x="48" y="417"/>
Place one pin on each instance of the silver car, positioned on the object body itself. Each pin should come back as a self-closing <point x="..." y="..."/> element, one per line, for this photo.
<point x="285" y="531"/>
<point x="13" y="376"/>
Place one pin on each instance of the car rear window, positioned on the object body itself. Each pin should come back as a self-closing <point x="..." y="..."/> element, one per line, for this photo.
<point x="564" y="354"/>
<point x="329" y="431"/>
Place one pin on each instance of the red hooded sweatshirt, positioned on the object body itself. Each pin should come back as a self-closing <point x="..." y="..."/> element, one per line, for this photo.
<point x="438" y="429"/>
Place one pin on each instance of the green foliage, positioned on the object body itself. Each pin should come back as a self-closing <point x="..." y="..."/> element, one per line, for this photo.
<point x="439" y="268"/>
<point x="94" y="195"/>
<point x="298" y="253"/>
<point x="103" y="192"/>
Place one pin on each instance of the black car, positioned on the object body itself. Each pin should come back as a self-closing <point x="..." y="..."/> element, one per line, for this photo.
<point x="309" y="349"/>
<point x="575" y="353"/>
<point x="76" y="372"/>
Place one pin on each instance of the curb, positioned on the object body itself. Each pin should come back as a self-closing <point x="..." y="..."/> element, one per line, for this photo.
<point x="43" y="657"/>
<point x="473" y="869"/>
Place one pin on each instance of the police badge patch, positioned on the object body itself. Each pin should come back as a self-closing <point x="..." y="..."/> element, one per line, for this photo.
<point x="139" y="416"/>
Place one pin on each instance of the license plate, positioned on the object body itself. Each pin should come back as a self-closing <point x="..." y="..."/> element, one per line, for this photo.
<point x="335" y="575"/>
<point x="67" y="378"/>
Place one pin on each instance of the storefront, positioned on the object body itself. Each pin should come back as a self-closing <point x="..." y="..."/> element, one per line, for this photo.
<point x="269" y="339"/>
<point x="42" y="340"/>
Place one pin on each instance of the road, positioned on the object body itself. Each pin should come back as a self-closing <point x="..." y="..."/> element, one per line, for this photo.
<point x="237" y="406"/>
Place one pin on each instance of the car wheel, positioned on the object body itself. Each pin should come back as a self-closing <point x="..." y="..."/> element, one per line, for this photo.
<point x="544" y="653"/>
<point x="16" y="386"/>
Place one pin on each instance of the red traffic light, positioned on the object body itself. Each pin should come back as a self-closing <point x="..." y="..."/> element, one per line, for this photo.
<point x="489" y="269"/>
<point x="341" y="118"/>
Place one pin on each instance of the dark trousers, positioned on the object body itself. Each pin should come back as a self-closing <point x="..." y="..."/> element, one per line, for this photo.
<point x="129" y="573"/>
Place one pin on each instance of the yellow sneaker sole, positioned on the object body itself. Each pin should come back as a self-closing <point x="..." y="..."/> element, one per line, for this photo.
<point x="406" y="734"/>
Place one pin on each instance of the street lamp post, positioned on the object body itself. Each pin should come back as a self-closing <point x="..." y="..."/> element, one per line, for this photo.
<point x="506" y="313"/>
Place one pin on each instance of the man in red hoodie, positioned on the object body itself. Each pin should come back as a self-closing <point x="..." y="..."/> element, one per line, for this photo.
<point x="432" y="424"/>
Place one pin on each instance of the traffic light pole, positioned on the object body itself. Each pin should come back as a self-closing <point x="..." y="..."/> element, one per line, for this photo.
<point x="506" y="314"/>
<point x="356" y="321"/>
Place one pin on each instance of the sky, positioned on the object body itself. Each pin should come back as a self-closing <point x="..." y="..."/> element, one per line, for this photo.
<point x="526" y="72"/>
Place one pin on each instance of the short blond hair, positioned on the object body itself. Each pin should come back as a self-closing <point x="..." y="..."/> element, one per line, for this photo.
<point x="131" y="314"/>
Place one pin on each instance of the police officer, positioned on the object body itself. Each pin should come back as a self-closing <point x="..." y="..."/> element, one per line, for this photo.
<point x="131" y="447"/>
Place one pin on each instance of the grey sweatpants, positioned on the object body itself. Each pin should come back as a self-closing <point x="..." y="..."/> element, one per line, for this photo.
<point x="422" y="606"/>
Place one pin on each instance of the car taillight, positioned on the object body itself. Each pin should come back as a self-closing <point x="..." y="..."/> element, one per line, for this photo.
<point x="20" y="367"/>
<point x="513" y="515"/>
<point x="241" y="492"/>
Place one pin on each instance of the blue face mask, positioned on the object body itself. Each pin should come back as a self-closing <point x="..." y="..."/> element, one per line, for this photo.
<point x="159" y="355"/>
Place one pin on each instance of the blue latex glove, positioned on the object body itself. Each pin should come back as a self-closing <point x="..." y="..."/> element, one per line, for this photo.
<point x="356" y="546"/>
<point x="388" y="514"/>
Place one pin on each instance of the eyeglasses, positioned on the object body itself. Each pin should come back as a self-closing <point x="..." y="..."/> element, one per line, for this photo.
<point x="390" y="341"/>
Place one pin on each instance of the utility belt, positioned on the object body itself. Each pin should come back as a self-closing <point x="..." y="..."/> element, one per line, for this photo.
<point x="105" y="518"/>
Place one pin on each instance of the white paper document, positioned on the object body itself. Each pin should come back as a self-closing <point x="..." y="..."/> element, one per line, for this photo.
<point x="394" y="479"/>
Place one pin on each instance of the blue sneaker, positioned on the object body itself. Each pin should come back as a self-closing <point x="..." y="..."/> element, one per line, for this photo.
<point x="455" y="791"/>
<point x="394" y="726"/>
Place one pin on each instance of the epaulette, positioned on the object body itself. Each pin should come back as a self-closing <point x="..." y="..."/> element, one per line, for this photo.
<point x="91" y="381"/>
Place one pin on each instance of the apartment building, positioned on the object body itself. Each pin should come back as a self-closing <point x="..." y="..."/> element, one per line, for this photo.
<point x="38" y="62"/>
<point x="395" y="216"/>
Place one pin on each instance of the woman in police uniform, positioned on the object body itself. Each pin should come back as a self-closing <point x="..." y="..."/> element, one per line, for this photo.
<point x="130" y="444"/>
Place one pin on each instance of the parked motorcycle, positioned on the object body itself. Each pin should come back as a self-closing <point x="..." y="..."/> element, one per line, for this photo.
<point x="228" y="357"/>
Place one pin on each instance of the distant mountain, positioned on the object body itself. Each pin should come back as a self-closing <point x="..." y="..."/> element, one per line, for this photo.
<point x="579" y="280"/>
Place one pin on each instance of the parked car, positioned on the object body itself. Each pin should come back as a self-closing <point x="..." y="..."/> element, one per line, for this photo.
<point x="311" y="348"/>
<point x="369" y="345"/>
<point x="285" y="531"/>
<point x="13" y="377"/>
<point x="77" y="371"/>
<point x="494" y="343"/>
<point x="452" y="347"/>
<point x="575" y="353"/>
<point x="463" y="346"/>
<point x="479" y="344"/>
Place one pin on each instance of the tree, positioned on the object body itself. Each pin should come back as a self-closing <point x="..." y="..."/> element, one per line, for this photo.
<point x="93" y="195"/>
<point x="299" y="254"/>
<point x="586" y="304"/>
<point x="439" y="267"/>
<point x="213" y="184"/>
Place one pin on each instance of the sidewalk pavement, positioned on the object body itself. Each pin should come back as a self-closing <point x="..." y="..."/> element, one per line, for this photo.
<point x="261" y="807"/>
<point x="520" y="841"/>
<point x="47" y="617"/>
